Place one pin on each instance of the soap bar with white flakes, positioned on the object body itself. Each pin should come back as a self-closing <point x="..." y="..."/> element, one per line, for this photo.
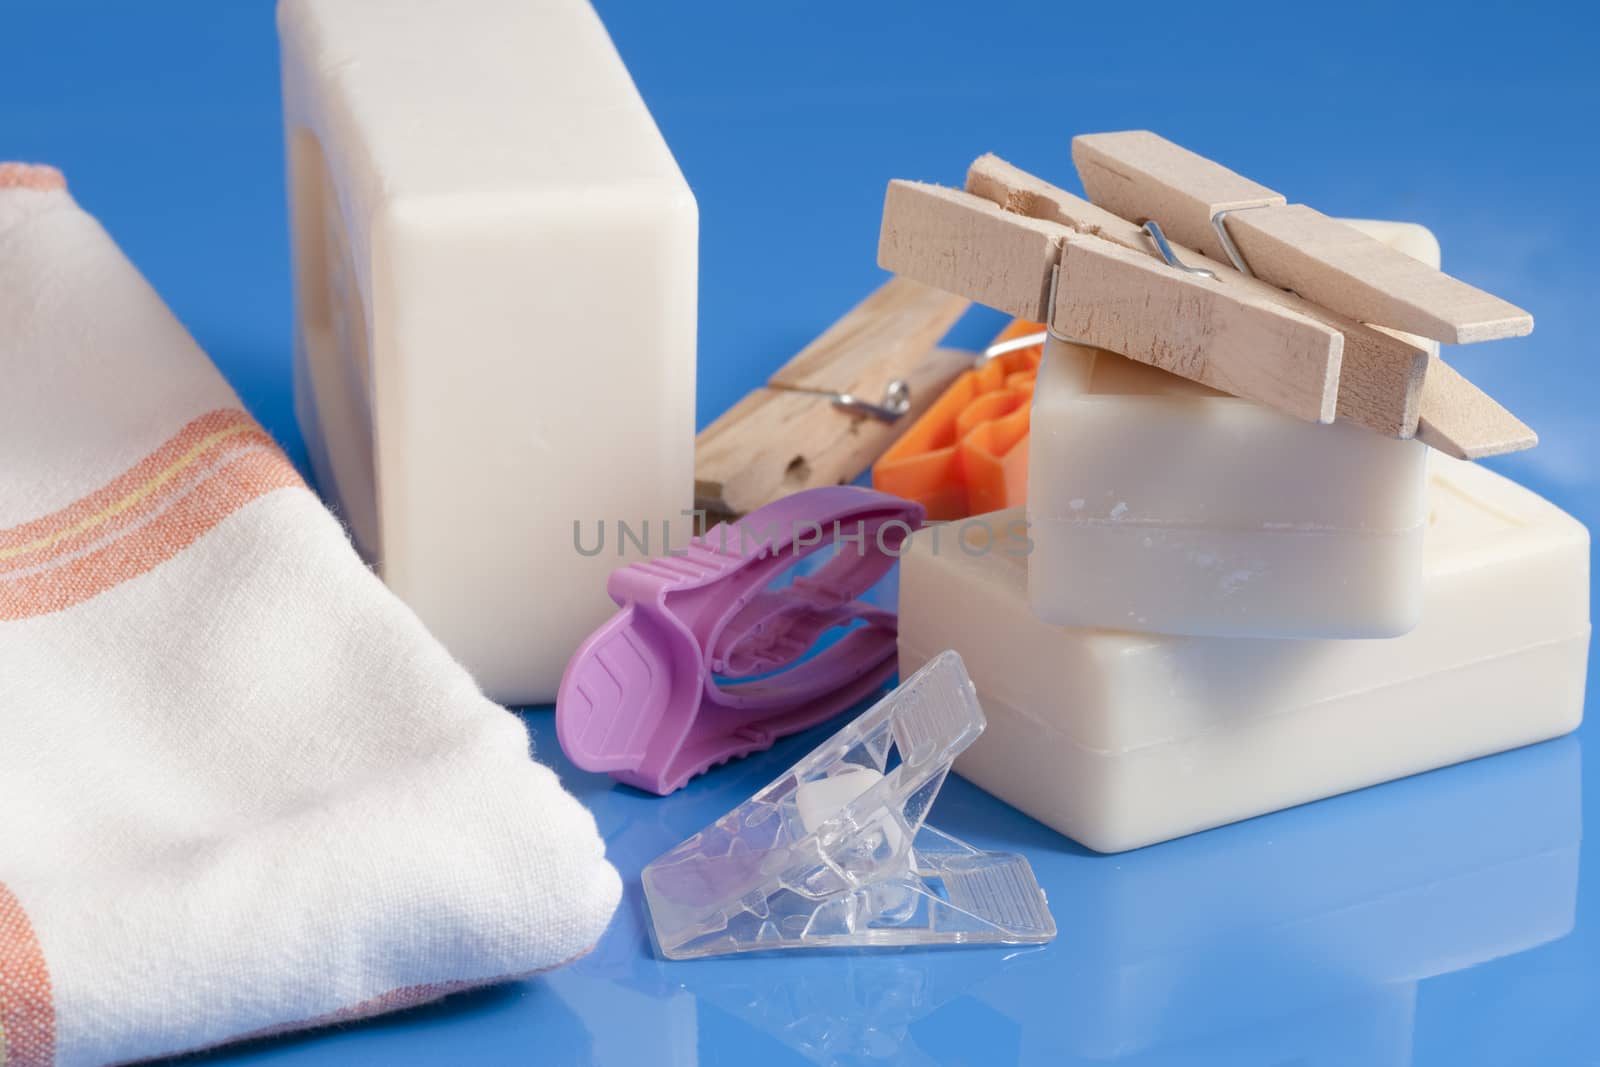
<point x="495" y="271"/>
<point x="1122" y="739"/>
<point x="1160" y="505"/>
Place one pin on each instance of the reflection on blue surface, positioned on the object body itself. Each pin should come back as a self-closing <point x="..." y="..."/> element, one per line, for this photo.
<point x="1316" y="936"/>
<point x="1301" y="937"/>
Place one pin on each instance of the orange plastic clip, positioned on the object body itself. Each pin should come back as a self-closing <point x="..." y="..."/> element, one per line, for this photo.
<point x="968" y="454"/>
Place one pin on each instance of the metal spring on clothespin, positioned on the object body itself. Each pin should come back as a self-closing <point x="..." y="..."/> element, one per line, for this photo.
<point x="1152" y="228"/>
<point x="1014" y="344"/>
<point x="1219" y="223"/>
<point x="895" y="403"/>
<point x="1050" y="312"/>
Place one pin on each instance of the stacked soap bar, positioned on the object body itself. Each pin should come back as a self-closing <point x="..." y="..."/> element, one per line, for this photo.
<point x="495" y="271"/>
<point x="1161" y="505"/>
<point x="1210" y="610"/>
<point x="1122" y="739"/>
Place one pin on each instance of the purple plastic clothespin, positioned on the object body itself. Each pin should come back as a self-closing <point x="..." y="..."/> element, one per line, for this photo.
<point x="641" y="699"/>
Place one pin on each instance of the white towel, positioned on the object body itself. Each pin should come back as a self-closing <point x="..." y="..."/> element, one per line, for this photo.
<point x="242" y="790"/>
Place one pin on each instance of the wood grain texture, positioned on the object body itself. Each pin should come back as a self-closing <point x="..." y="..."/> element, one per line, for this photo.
<point x="967" y="245"/>
<point x="1127" y="302"/>
<point x="1380" y="376"/>
<point x="1462" y="420"/>
<point x="1140" y="175"/>
<point x="1017" y="191"/>
<point x="1338" y="266"/>
<point x="1214" y="334"/>
<point x="776" y="441"/>
<point x="880" y="339"/>
<point x="788" y="436"/>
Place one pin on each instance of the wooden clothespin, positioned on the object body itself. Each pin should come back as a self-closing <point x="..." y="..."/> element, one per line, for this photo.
<point x="1009" y="240"/>
<point x="1140" y="175"/>
<point x="1109" y="289"/>
<point x="829" y="412"/>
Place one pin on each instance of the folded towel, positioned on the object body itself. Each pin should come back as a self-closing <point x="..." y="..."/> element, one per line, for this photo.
<point x="242" y="790"/>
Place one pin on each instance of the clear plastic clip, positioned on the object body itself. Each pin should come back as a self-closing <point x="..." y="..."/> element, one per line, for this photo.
<point x="836" y="854"/>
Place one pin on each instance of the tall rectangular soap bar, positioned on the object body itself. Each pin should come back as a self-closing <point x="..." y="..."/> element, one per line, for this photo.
<point x="495" y="272"/>
<point x="1122" y="739"/>
<point x="1161" y="505"/>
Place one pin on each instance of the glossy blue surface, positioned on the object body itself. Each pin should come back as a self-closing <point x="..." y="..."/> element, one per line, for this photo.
<point x="1446" y="919"/>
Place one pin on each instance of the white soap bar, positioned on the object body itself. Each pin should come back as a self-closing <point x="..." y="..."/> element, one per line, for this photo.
<point x="1158" y="504"/>
<point x="1122" y="739"/>
<point x="495" y="272"/>
<point x="1414" y="239"/>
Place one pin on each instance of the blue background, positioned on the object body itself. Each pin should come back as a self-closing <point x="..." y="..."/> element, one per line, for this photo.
<point x="1446" y="919"/>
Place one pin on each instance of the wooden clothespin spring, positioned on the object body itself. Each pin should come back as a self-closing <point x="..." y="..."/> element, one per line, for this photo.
<point x="814" y="423"/>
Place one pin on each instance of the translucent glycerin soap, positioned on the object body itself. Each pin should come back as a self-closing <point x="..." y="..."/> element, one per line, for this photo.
<point x="1160" y="505"/>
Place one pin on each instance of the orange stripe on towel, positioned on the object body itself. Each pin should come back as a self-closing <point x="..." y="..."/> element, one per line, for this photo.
<point x="27" y="1012"/>
<point x="30" y="176"/>
<point x="130" y="495"/>
<point x="162" y="505"/>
